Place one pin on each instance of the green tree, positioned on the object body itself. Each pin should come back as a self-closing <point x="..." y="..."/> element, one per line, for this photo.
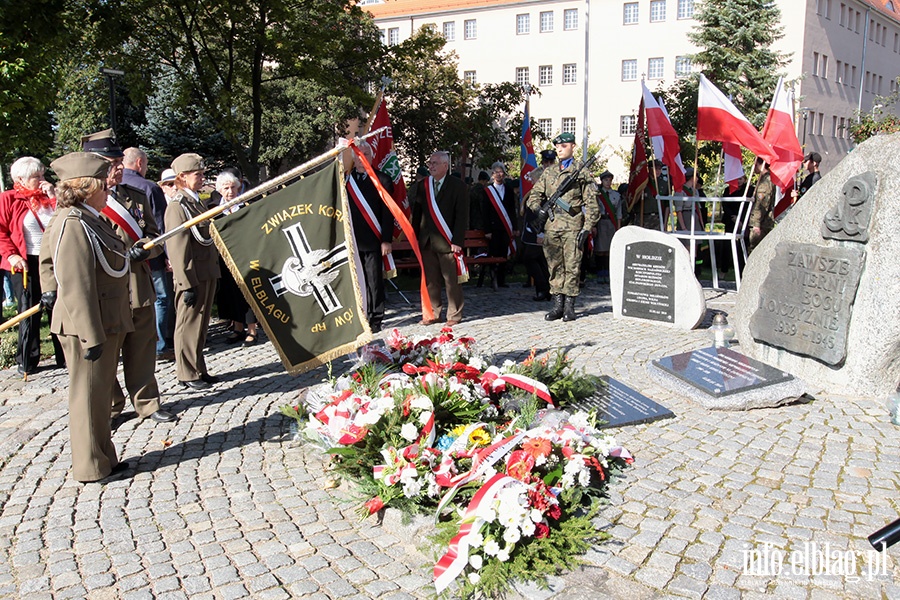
<point x="881" y="119"/>
<point x="242" y="63"/>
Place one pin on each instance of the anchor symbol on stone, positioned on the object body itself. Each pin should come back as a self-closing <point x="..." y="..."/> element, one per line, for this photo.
<point x="310" y="272"/>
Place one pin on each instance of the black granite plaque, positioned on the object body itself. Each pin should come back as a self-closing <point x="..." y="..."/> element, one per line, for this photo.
<point x="806" y="300"/>
<point x="617" y="405"/>
<point x="648" y="290"/>
<point x="721" y="371"/>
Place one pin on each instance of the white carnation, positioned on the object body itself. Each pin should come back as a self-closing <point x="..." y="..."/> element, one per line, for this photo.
<point x="511" y="535"/>
<point x="503" y="555"/>
<point x="476" y="561"/>
<point x="409" y="432"/>
<point x="491" y="547"/>
<point x="474" y="578"/>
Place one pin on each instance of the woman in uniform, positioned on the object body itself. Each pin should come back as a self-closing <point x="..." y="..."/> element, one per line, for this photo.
<point x="84" y="272"/>
<point x="195" y="269"/>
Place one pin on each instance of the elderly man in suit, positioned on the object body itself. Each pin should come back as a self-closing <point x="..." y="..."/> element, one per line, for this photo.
<point x="440" y="219"/>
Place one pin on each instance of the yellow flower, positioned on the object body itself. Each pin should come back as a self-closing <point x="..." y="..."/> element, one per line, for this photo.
<point x="480" y="437"/>
<point x="458" y="430"/>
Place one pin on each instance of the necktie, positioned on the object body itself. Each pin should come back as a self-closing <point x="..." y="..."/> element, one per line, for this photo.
<point x="437" y="187"/>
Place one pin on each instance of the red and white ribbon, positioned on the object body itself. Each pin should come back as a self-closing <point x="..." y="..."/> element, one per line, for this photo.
<point x="387" y="260"/>
<point x="455" y="559"/>
<point x="533" y="386"/>
<point x="462" y="272"/>
<point x="119" y="215"/>
<point x="497" y="202"/>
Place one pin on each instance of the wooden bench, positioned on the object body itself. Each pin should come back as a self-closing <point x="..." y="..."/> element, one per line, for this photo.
<point x="475" y="248"/>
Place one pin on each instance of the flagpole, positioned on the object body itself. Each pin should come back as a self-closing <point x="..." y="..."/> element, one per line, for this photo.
<point x="262" y="188"/>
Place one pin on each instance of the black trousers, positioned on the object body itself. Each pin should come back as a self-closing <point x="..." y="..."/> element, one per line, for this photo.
<point x="373" y="271"/>
<point x="27" y="289"/>
<point x="536" y="265"/>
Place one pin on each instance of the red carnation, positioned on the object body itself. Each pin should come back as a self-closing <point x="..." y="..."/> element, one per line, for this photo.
<point x="541" y="530"/>
<point x="374" y="505"/>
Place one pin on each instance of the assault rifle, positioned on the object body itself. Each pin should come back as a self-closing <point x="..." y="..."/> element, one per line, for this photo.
<point x="555" y="201"/>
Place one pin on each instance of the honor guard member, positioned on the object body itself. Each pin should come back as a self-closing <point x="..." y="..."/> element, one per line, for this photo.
<point x="130" y="212"/>
<point x="84" y="272"/>
<point x="565" y="234"/>
<point x="195" y="268"/>
<point x="610" y="214"/>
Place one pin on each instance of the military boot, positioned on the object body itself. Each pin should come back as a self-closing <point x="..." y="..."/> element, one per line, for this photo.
<point x="569" y="309"/>
<point x="557" y="311"/>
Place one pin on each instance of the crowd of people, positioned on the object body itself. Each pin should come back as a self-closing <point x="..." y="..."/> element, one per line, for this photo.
<point x="80" y="250"/>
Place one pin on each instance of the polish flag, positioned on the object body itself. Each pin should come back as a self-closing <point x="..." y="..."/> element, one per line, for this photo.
<point x="734" y="168"/>
<point x="529" y="162"/>
<point x="719" y="120"/>
<point x="780" y="132"/>
<point x="664" y="139"/>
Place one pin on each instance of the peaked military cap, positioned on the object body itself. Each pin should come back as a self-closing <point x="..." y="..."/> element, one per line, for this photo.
<point x="548" y="155"/>
<point x="564" y="138"/>
<point x="80" y="164"/>
<point x="606" y="174"/>
<point x="102" y="143"/>
<point x="187" y="163"/>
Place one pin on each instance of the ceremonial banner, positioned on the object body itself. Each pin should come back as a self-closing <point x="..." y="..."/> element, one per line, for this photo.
<point x="664" y="139"/>
<point x="638" y="173"/>
<point x="385" y="159"/>
<point x="529" y="163"/>
<point x="292" y="255"/>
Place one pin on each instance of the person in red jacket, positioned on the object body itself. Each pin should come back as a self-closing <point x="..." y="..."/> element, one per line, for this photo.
<point x="25" y="212"/>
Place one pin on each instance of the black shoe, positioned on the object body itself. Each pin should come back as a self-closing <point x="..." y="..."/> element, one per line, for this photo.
<point x="197" y="384"/>
<point x="569" y="309"/>
<point x="118" y="472"/>
<point x="557" y="311"/>
<point x="163" y="416"/>
<point x="209" y="378"/>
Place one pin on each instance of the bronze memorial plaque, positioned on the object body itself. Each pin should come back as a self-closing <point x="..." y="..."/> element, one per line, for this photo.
<point x="806" y="300"/>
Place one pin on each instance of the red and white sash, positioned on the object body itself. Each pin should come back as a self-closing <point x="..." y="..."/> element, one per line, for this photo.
<point x="462" y="272"/>
<point x="497" y="202"/>
<point x="390" y="269"/>
<point x="119" y="215"/>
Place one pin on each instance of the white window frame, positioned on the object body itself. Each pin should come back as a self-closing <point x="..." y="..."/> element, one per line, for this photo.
<point x="656" y="67"/>
<point x="470" y="27"/>
<point x="682" y="66"/>
<point x="545" y="75"/>
<point x="523" y="24"/>
<point x="570" y="73"/>
<point x="546" y="126"/>
<point x="393" y="36"/>
<point x="569" y="125"/>
<point x="523" y="76"/>
<point x="685" y="9"/>
<point x="655" y="16"/>
<point x="631" y="65"/>
<point x="627" y="125"/>
<point x="632" y="11"/>
<point x="470" y="77"/>
<point x="546" y="20"/>
<point x="570" y="19"/>
<point x="450" y="31"/>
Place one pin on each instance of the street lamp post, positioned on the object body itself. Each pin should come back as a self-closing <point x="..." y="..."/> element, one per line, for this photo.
<point x="805" y="111"/>
<point x="110" y="74"/>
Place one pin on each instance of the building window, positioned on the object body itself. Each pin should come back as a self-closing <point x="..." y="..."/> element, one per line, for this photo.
<point x="847" y="74"/>
<point x="546" y="21"/>
<point x="546" y="126"/>
<point x="627" y="125"/>
<point x="432" y="27"/>
<point x="682" y="66"/>
<point x="568" y="124"/>
<point x="570" y="19"/>
<point x="383" y="35"/>
<point x="570" y="73"/>
<point x="631" y="13"/>
<point x="470" y="77"/>
<point x="523" y="24"/>
<point x="839" y="72"/>
<point x="834" y="129"/>
<point x="656" y="68"/>
<point x="545" y="75"/>
<point x="820" y="126"/>
<point x="853" y="77"/>
<point x="823" y="72"/>
<point x="815" y="65"/>
<point x="471" y="29"/>
<point x="841" y="16"/>
<point x="522" y="77"/>
<point x="629" y="70"/>
<point x="842" y="129"/>
<point x="393" y="36"/>
<point x="685" y="9"/>
<point x="450" y="31"/>
<point x="657" y="11"/>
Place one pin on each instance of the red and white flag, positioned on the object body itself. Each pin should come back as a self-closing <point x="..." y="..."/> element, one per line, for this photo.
<point x="664" y="139"/>
<point x="734" y="168"/>
<point x="385" y="159"/>
<point x="719" y="120"/>
<point x="780" y="132"/>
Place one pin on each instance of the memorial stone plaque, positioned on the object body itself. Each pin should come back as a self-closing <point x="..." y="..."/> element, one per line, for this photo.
<point x="806" y="300"/>
<point x="648" y="289"/>
<point x="721" y="371"/>
<point x="618" y="405"/>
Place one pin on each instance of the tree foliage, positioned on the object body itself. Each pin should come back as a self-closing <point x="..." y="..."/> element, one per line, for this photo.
<point x="879" y="120"/>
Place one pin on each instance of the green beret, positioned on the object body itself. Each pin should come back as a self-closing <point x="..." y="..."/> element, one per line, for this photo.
<point x="187" y="163"/>
<point x="80" y="164"/>
<point x="564" y="138"/>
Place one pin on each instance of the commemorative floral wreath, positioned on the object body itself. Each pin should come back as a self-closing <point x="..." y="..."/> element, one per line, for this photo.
<point x="513" y="479"/>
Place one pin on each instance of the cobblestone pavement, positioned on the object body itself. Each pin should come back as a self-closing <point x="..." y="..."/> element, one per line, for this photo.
<point x="222" y="506"/>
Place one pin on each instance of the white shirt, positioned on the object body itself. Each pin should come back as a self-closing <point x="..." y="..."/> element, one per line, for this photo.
<point x="33" y="230"/>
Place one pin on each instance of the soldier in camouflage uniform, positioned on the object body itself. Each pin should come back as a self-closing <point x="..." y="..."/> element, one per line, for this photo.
<point x="564" y="234"/>
<point x="761" y="219"/>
